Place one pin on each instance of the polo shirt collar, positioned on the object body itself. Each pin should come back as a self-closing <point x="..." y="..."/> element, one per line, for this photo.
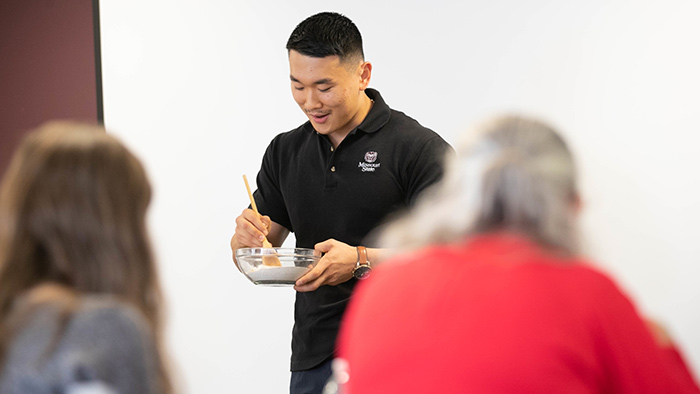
<point x="377" y="117"/>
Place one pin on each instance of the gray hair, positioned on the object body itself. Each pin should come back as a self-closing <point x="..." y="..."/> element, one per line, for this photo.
<point x="513" y="173"/>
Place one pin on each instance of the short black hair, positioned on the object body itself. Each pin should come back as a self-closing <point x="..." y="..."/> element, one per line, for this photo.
<point x="327" y="34"/>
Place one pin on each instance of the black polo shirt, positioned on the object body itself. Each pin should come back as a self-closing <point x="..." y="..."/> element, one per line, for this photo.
<point x="319" y="192"/>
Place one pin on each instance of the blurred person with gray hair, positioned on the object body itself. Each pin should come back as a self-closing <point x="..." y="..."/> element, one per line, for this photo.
<point x="488" y="292"/>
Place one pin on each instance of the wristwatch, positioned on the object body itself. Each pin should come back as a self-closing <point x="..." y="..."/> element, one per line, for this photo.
<point x="363" y="267"/>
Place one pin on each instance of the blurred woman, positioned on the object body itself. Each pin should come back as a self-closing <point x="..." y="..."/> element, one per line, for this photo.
<point x="492" y="297"/>
<point x="80" y="304"/>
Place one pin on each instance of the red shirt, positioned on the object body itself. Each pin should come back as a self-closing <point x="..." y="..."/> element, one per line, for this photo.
<point x="500" y="315"/>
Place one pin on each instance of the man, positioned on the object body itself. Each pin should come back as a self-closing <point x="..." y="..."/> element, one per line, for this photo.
<point x="334" y="179"/>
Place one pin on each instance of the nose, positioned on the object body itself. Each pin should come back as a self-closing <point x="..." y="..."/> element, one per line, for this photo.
<point x="311" y="99"/>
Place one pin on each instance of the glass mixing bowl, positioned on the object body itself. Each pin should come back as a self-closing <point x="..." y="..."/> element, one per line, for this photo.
<point x="275" y="266"/>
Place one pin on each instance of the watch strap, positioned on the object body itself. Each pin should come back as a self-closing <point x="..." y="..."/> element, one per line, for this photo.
<point x="362" y="256"/>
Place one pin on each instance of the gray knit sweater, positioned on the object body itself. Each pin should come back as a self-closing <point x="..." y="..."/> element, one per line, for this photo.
<point x="106" y="347"/>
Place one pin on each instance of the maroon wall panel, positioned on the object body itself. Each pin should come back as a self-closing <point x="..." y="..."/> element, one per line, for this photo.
<point x="49" y="66"/>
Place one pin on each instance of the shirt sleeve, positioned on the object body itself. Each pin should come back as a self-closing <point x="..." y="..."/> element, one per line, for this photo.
<point x="633" y="361"/>
<point x="427" y="167"/>
<point x="111" y="348"/>
<point x="268" y="196"/>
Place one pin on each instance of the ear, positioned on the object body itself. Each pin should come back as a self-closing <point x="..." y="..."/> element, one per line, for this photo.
<point x="365" y="72"/>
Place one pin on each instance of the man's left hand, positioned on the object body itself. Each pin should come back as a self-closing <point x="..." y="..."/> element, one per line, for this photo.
<point x="335" y="266"/>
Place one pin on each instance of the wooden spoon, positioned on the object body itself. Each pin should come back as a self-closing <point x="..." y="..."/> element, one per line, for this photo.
<point x="267" y="259"/>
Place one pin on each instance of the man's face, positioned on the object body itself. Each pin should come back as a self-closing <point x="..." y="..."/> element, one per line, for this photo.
<point x="328" y="91"/>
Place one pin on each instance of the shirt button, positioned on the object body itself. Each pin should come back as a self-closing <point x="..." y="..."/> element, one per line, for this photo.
<point x="332" y="149"/>
<point x="333" y="169"/>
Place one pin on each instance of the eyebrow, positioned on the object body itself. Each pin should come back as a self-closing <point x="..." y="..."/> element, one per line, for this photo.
<point x="324" y="81"/>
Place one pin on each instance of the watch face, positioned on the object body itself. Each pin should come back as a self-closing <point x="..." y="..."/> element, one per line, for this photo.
<point x="362" y="272"/>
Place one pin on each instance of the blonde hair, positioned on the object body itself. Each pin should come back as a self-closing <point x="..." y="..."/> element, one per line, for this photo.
<point x="72" y="213"/>
<point x="513" y="173"/>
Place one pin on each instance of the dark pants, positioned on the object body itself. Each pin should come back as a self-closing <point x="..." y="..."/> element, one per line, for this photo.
<point x="311" y="381"/>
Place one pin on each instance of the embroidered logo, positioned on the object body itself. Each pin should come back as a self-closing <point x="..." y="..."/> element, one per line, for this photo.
<point x="371" y="157"/>
<point x="369" y="164"/>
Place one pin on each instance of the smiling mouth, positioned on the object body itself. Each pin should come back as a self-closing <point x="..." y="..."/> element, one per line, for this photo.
<point x="319" y="117"/>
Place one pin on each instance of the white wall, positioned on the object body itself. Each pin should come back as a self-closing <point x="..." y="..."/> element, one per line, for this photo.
<point x="197" y="91"/>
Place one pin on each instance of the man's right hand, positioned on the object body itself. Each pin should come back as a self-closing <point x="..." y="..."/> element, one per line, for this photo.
<point x="252" y="228"/>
